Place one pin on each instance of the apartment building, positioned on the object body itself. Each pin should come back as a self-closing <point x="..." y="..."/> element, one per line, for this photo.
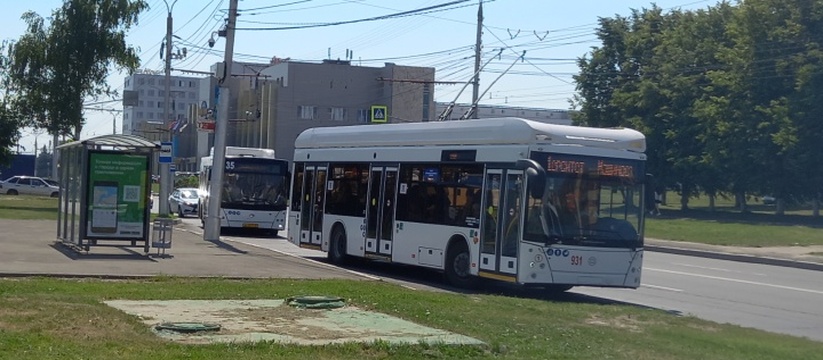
<point x="270" y="105"/>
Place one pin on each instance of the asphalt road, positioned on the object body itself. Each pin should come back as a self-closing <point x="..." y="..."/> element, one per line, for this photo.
<point x="766" y="297"/>
<point x="772" y="298"/>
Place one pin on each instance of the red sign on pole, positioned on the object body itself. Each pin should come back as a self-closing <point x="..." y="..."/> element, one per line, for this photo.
<point x="205" y="126"/>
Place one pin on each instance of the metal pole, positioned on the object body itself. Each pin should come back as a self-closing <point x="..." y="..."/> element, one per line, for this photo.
<point x="165" y="174"/>
<point x="211" y="228"/>
<point x="477" y="46"/>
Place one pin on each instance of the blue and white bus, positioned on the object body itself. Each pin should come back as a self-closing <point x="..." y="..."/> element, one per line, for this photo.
<point x="507" y="199"/>
<point x="254" y="189"/>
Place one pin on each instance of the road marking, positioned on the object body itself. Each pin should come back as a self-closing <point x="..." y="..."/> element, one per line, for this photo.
<point x="661" y="288"/>
<point x="738" y="281"/>
<point x="718" y="269"/>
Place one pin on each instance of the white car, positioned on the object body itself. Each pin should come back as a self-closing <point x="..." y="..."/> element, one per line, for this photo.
<point x="30" y="185"/>
<point x="184" y="201"/>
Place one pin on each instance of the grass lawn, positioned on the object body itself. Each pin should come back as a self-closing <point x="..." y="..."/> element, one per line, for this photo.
<point x="26" y="207"/>
<point x="727" y="226"/>
<point x="65" y="319"/>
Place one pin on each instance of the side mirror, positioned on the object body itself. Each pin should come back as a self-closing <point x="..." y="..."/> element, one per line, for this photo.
<point x="536" y="175"/>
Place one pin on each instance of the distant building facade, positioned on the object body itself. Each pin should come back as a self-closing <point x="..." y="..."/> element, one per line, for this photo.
<point x="552" y="116"/>
<point x="146" y="118"/>
<point x="270" y="104"/>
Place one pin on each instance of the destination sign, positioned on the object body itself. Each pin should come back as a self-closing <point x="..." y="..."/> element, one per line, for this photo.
<point x="589" y="165"/>
<point x="251" y="165"/>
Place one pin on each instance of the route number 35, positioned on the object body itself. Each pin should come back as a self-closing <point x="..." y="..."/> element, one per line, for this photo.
<point x="229" y="165"/>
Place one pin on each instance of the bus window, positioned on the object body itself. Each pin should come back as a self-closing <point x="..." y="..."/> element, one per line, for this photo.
<point x="488" y="237"/>
<point x="297" y="187"/>
<point x="440" y="194"/>
<point x="511" y="235"/>
<point x="344" y="196"/>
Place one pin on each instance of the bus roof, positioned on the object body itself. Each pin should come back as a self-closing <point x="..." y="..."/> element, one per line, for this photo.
<point x="470" y="132"/>
<point x="236" y="151"/>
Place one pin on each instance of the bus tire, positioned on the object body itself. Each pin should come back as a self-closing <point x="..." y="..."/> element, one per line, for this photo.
<point x="458" y="266"/>
<point x="337" y="246"/>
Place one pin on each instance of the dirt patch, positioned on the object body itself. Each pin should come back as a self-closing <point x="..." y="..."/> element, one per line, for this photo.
<point x="272" y="320"/>
<point x="621" y="322"/>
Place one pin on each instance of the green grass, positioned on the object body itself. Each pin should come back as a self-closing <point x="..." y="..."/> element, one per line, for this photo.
<point x="65" y="319"/>
<point x="743" y="233"/>
<point x="26" y="207"/>
<point x="726" y="225"/>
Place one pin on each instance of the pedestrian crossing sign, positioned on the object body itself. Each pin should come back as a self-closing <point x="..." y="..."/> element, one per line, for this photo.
<point x="379" y="113"/>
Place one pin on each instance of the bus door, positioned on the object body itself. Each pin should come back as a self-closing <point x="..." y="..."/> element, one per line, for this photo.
<point x="311" y="210"/>
<point x="501" y="223"/>
<point x="380" y="210"/>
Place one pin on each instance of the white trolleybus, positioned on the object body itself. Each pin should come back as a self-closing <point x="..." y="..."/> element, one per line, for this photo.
<point x="254" y="189"/>
<point x="506" y="199"/>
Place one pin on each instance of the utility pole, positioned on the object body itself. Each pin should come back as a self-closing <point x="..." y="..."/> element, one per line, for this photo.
<point x="165" y="173"/>
<point x="211" y="228"/>
<point x="478" y="43"/>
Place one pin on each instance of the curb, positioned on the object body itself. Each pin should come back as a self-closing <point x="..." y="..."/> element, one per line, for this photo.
<point x="737" y="257"/>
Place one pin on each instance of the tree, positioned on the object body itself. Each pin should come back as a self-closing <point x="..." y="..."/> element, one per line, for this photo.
<point x="42" y="164"/>
<point x="9" y="119"/>
<point x="57" y="67"/>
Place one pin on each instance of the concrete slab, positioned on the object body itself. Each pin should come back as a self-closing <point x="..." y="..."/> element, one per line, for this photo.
<point x="273" y="320"/>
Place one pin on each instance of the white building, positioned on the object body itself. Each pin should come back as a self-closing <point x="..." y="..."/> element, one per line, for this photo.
<point x="551" y="116"/>
<point x="147" y="117"/>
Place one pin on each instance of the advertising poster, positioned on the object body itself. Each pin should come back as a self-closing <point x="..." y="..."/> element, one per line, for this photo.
<point x="117" y="196"/>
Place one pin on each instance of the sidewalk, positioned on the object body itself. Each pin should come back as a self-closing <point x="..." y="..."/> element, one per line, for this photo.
<point x="30" y="248"/>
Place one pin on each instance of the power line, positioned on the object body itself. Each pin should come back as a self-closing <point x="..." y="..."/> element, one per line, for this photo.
<point x="374" y="18"/>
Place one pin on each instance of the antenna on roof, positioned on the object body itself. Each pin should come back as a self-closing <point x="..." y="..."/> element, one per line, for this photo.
<point x="472" y="108"/>
<point x="448" y="110"/>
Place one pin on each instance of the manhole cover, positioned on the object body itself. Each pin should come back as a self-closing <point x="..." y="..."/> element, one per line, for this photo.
<point x="188" y="327"/>
<point x="316" y="302"/>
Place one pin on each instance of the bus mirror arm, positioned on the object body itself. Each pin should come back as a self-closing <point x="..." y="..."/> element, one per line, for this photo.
<point x="536" y="175"/>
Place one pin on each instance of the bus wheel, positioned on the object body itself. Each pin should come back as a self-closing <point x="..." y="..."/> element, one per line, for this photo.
<point x="458" y="264"/>
<point x="337" y="247"/>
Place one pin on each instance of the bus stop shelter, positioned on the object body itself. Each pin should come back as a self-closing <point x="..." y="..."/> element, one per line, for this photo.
<point x="105" y="191"/>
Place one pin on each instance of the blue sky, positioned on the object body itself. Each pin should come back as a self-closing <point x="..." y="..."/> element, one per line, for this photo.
<point x="553" y="34"/>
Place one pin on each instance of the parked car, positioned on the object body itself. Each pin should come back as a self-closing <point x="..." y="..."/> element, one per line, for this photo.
<point x="769" y="200"/>
<point x="184" y="201"/>
<point x="30" y="185"/>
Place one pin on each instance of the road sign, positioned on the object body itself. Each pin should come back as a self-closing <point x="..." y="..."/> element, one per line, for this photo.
<point x="165" y="153"/>
<point x="379" y="113"/>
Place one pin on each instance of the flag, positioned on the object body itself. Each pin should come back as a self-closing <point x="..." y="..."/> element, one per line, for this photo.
<point x="183" y="126"/>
